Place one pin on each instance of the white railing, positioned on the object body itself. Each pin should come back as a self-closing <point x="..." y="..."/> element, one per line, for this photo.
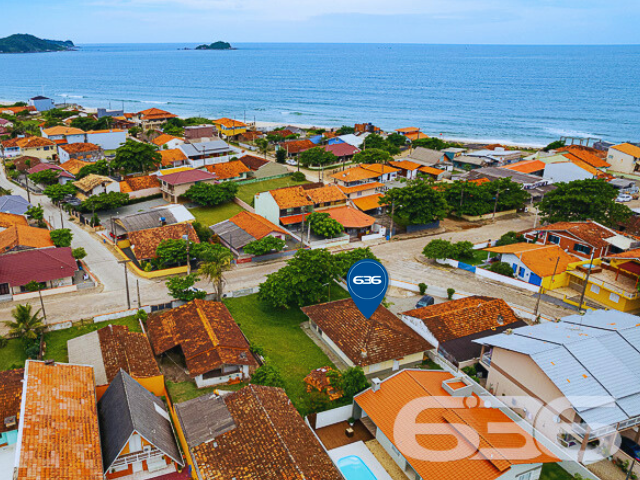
<point x="136" y="457"/>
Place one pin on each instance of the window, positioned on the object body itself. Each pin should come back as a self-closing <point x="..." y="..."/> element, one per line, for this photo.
<point x="553" y="239"/>
<point x="525" y="476"/>
<point x="582" y="248"/>
<point x="521" y="271"/>
<point x="614" y="297"/>
<point x="595" y="289"/>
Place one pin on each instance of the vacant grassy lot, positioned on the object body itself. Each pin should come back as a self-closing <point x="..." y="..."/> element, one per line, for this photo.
<point x="552" y="471"/>
<point x="247" y="191"/>
<point x="183" y="391"/>
<point x="12" y="355"/>
<point x="211" y="215"/>
<point x="285" y="344"/>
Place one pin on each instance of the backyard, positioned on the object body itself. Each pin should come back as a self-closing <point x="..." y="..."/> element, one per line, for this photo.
<point x="285" y="344"/>
<point x="211" y="215"/>
<point x="13" y="355"/>
<point x="248" y="190"/>
<point x="553" y="471"/>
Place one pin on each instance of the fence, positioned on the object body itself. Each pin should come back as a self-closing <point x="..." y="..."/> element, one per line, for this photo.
<point x="333" y="416"/>
<point x="423" y="226"/>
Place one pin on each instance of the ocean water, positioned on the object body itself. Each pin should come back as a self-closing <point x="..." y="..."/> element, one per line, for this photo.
<point x="527" y="94"/>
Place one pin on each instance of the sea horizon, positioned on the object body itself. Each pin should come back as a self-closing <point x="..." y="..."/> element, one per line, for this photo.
<point x="513" y="94"/>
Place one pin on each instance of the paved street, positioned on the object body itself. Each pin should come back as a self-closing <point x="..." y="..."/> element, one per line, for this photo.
<point x="401" y="256"/>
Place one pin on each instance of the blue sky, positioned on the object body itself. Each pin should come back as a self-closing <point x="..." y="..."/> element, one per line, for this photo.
<point x="368" y="21"/>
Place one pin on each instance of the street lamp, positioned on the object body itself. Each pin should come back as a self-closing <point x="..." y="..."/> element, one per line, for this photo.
<point x="186" y="239"/>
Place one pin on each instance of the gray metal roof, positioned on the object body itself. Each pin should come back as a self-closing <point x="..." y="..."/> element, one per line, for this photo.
<point x="632" y="336"/>
<point x="204" y="418"/>
<point x="14" y="204"/>
<point x="232" y="234"/>
<point x="604" y="319"/>
<point x="609" y="414"/>
<point x="128" y="407"/>
<point x="623" y="350"/>
<point x="150" y="219"/>
<point x="516" y="343"/>
<point x="426" y="156"/>
<point x="204" y="148"/>
<point x="560" y="333"/>
<point x="630" y="405"/>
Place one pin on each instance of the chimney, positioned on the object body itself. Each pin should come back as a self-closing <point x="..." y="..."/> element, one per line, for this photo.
<point x="375" y="384"/>
<point x="11" y="422"/>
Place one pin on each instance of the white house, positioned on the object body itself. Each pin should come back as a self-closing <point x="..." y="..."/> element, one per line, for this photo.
<point x="206" y="153"/>
<point x="65" y="134"/>
<point x="624" y="158"/>
<point x="167" y="142"/>
<point x="95" y="185"/>
<point x="566" y="172"/>
<point x="107" y="139"/>
<point x="42" y="104"/>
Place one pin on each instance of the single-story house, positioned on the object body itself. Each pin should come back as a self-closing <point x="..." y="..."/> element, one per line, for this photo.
<point x="426" y="156"/>
<point x="24" y="163"/>
<point x="94" y="184"/>
<point x="8" y="220"/>
<point x="235" y="170"/>
<point x="139" y="187"/>
<point x="167" y="142"/>
<point x="144" y="243"/>
<point x="452" y="326"/>
<point x="380" y="344"/>
<point x="114" y="348"/>
<point x="296" y="147"/>
<point x="174" y="185"/>
<point x="244" y="228"/>
<point x="536" y="264"/>
<point x="370" y="204"/>
<point x="343" y="151"/>
<point x="51" y="267"/>
<point x="86" y="152"/>
<point x="154" y="217"/>
<point x="172" y="158"/>
<point x="432" y="172"/>
<point x="530" y="167"/>
<point x="222" y="433"/>
<point x="58" y="436"/>
<point x="14" y="204"/>
<point x="136" y="433"/>
<point x="74" y="166"/>
<point x="408" y="169"/>
<point x="63" y="175"/>
<point x="215" y="349"/>
<point x="624" y="158"/>
<point x="253" y="163"/>
<point x="20" y="237"/>
<point x="355" y="223"/>
<point x="473" y="437"/>
<point x="10" y="398"/>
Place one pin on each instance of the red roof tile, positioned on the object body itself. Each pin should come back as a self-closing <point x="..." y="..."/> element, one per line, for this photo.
<point x="40" y="265"/>
<point x="187" y="176"/>
<point x="341" y="149"/>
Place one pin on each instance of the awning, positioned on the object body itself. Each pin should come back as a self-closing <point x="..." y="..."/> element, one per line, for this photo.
<point x="292" y="219"/>
<point x="631" y="267"/>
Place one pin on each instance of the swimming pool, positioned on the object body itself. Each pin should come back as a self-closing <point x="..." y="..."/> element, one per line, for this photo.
<point x="353" y="468"/>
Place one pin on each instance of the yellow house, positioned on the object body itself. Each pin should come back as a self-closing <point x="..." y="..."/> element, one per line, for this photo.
<point x="39" y="147"/>
<point x="229" y="127"/>
<point x="611" y="281"/>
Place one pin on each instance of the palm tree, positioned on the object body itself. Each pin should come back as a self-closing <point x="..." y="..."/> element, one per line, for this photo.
<point x="213" y="269"/>
<point x="263" y="146"/>
<point x="26" y="325"/>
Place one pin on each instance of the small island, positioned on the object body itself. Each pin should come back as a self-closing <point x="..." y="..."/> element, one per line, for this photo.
<point x="24" y="43"/>
<point x="216" y="46"/>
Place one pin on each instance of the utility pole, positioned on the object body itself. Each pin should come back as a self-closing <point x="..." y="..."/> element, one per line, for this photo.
<point x="61" y="217"/>
<point x="44" y="313"/>
<point x="138" y="291"/>
<point x="586" y="282"/>
<point x="26" y="182"/>
<point x="126" y="282"/>
<point x="393" y="211"/>
<point x="186" y="239"/>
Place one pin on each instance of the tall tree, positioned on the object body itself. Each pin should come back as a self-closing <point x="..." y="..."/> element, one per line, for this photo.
<point x="25" y="324"/>
<point x="317" y="156"/>
<point x="213" y="269"/>
<point x="58" y="192"/>
<point x="135" y="157"/>
<point x="372" y="155"/>
<point x="417" y="203"/>
<point x="580" y="200"/>
<point x="263" y="146"/>
<point x="182" y="288"/>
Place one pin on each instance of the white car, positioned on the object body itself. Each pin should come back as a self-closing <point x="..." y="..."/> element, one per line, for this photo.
<point x="292" y="162"/>
<point x="624" y="197"/>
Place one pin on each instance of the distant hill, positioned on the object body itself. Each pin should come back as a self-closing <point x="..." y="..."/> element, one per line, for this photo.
<point x="24" y="43"/>
<point x="215" y="46"/>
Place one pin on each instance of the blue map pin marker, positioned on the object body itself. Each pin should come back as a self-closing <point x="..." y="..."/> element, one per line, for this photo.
<point x="367" y="282"/>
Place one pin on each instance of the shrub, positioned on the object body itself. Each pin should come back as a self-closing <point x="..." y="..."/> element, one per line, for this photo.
<point x="204" y="234"/>
<point x="264" y="245"/>
<point x="298" y="177"/>
<point x="79" y="253"/>
<point x="3" y="341"/>
<point x="267" y="375"/>
<point x="510" y="238"/>
<point x="315" y="401"/>
<point x="33" y="286"/>
<point x="450" y="292"/>
<point x="502" y="268"/>
<point x="438" y="249"/>
<point x="423" y="288"/>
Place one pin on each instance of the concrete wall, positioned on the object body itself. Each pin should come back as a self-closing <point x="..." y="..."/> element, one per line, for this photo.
<point x="620" y="162"/>
<point x="333" y="416"/>
<point x="266" y="207"/>
<point x="147" y="192"/>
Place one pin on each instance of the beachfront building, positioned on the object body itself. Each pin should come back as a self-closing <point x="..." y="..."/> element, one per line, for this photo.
<point x="624" y="158"/>
<point x="152" y="118"/>
<point x="42" y="104"/>
<point x="229" y="128"/>
<point x="107" y="139"/>
<point x="199" y="133"/>
<point x="205" y="153"/>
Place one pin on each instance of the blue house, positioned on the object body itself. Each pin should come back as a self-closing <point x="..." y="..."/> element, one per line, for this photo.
<point x="41" y="103"/>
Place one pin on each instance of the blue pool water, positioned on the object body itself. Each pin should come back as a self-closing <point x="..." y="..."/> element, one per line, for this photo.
<point x="353" y="468"/>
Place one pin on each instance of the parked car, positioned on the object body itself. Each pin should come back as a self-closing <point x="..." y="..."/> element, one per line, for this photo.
<point x="630" y="447"/>
<point x="425" y="301"/>
<point x="624" y="197"/>
<point x="292" y="162"/>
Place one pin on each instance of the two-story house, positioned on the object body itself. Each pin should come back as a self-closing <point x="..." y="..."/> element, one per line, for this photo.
<point x="174" y="185"/>
<point x="206" y="153"/>
<point x="227" y="127"/>
<point x="39" y="147"/>
<point x="364" y="180"/>
<point x="288" y="206"/>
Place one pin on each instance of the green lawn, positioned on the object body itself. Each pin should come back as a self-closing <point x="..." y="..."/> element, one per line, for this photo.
<point x="211" y="215"/>
<point x="285" y="344"/>
<point x="56" y="342"/>
<point x="247" y="191"/>
<point x="479" y="257"/>
<point x="553" y="471"/>
<point x="183" y="391"/>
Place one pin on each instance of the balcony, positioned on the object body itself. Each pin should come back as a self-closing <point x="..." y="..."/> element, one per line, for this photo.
<point x="581" y="429"/>
<point x="486" y="359"/>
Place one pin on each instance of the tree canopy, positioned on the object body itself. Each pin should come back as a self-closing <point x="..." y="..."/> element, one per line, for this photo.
<point x="208" y="194"/>
<point x="264" y="245"/>
<point x="172" y="251"/>
<point x="417" y="203"/>
<point x="57" y="192"/>
<point x="376" y="141"/>
<point x="554" y="145"/>
<point x="104" y="201"/>
<point x="468" y="198"/>
<point x="88" y="123"/>
<point x="431" y="143"/>
<point x="580" y="200"/>
<point x="344" y="260"/>
<point x="45" y="177"/>
<point x="317" y="156"/>
<point x="101" y="167"/>
<point x="182" y="288"/>
<point x="135" y="157"/>
<point x="322" y="224"/>
<point x="372" y="155"/>
<point x="439" y="249"/>
<point x="61" y="237"/>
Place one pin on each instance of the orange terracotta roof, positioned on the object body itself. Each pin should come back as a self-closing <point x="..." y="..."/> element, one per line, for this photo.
<point x="60" y="130"/>
<point x="112" y="130"/>
<point x="9" y="220"/>
<point x="155" y="114"/>
<point x="432" y="171"/>
<point x="128" y="351"/>
<point x="15" y="110"/>
<point x="479" y="181"/>
<point x="80" y="148"/>
<point x="225" y="171"/>
<point x="464" y="317"/>
<point x="628" y="255"/>
<point x="586" y="154"/>
<point x="145" y="242"/>
<point x="59" y="425"/>
<point x="349" y="217"/>
<point x="360" y="188"/>
<point x="355" y="174"/>
<point x="24" y="236"/>
<point x="207" y="334"/>
<point x="369" y="202"/>
<point x="628" y="148"/>
<point x="585" y="166"/>
<point x="229" y="123"/>
<point x="297" y="146"/>
<point x="326" y="194"/>
<point x="408" y="130"/>
<point x="292" y="219"/>
<point x="416" y="136"/>
<point x="452" y="452"/>
<point x="378" y="168"/>
<point x="380" y="338"/>
<point x="164" y="138"/>
<point x="590" y="232"/>
<point x="405" y="164"/>
<point x="171" y="156"/>
<point x="255" y="225"/>
<point x="135" y="184"/>
<point x="540" y="259"/>
<point x="33" y="142"/>
<point x="291" y="197"/>
<point x="526" y="166"/>
<point x="10" y="396"/>
<point x="73" y="166"/>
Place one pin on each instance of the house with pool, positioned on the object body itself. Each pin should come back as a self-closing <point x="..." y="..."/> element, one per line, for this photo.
<point x="430" y="424"/>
